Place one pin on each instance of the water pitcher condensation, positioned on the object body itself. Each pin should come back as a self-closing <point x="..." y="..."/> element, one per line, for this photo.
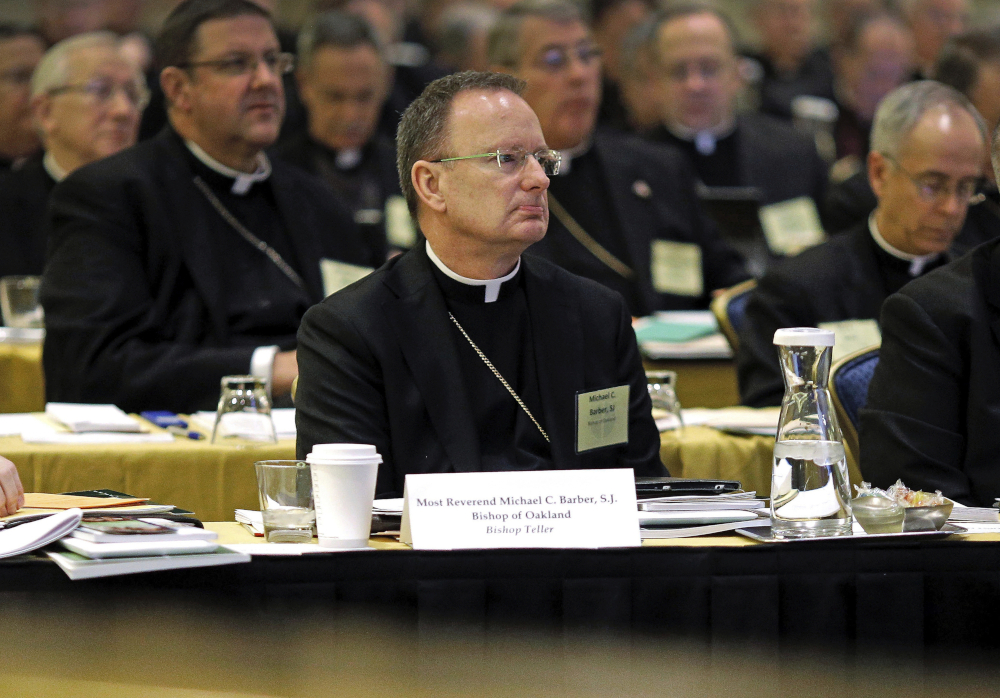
<point x="810" y="493"/>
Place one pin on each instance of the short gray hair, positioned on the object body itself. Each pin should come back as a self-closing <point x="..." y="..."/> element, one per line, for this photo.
<point x="423" y="128"/>
<point x="53" y="70"/>
<point x="504" y="45"/>
<point x="903" y="108"/>
<point x="337" y="29"/>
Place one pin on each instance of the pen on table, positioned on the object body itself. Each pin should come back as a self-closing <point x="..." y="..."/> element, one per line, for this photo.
<point x="178" y="430"/>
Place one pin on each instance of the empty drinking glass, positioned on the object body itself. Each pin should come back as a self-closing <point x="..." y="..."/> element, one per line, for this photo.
<point x="662" y="392"/>
<point x="244" y="410"/>
<point x="19" y="302"/>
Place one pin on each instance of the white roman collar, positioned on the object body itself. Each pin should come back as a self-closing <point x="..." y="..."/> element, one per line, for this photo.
<point x="492" y="285"/>
<point x="242" y="181"/>
<point x="567" y="156"/>
<point x="917" y="262"/>
<point x="54" y="169"/>
<point x="348" y="158"/>
<point x="705" y="139"/>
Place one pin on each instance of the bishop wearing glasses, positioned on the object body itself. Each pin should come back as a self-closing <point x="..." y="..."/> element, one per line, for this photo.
<point x="464" y="354"/>
<point x="191" y="256"/>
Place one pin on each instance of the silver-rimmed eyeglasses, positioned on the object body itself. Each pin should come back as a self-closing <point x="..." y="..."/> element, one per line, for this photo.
<point x="102" y="91"/>
<point x="242" y="64"/>
<point x="512" y="160"/>
<point x="934" y="188"/>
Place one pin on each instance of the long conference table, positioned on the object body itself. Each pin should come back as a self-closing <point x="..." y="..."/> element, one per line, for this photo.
<point x="213" y="480"/>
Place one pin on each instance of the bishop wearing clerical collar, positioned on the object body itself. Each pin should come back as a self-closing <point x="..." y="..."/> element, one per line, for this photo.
<point x="464" y="354"/>
<point x="191" y="256"/>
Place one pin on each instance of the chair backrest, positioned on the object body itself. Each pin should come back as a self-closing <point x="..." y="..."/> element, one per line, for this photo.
<point x="729" y="308"/>
<point x="849" y="379"/>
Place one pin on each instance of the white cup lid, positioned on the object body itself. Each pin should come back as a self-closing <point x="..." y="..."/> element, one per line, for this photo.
<point x="803" y="337"/>
<point x="344" y="452"/>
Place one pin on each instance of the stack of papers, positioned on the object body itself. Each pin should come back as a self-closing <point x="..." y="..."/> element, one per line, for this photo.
<point x="81" y="418"/>
<point x="69" y="423"/>
<point x="736" y="420"/>
<point x="682" y="334"/>
<point x="79" y="567"/>
<point x="687" y="516"/>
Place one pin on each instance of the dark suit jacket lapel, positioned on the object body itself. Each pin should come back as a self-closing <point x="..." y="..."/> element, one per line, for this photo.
<point x="419" y="318"/>
<point x="300" y="232"/>
<point x="866" y="274"/>
<point x="197" y="236"/>
<point x="635" y="217"/>
<point x="558" y="339"/>
<point x="993" y="293"/>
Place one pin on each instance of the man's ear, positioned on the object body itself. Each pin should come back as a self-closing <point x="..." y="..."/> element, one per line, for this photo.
<point x="426" y="179"/>
<point x="174" y="82"/>
<point x="878" y="168"/>
<point x="41" y="113"/>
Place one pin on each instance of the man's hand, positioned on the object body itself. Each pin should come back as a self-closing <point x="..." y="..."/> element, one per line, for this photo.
<point x="11" y="491"/>
<point x="283" y="372"/>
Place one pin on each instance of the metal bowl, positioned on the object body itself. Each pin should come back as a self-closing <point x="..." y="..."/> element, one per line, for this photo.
<point x="927" y="518"/>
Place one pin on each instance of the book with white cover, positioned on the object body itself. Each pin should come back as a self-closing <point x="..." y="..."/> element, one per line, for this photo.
<point x="81" y="417"/>
<point x="143" y="548"/>
<point x="24" y="538"/>
<point x="121" y="530"/>
<point x="78" y="567"/>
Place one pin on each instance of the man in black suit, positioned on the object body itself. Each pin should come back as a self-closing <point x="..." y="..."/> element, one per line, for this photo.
<point x="464" y="354"/>
<point x="20" y="50"/>
<point x="701" y="84"/>
<point x="87" y="98"/>
<point x="189" y="257"/>
<point x="928" y="143"/>
<point x="624" y="210"/>
<point x="970" y="63"/>
<point x="343" y="81"/>
<point x="933" y="404"/>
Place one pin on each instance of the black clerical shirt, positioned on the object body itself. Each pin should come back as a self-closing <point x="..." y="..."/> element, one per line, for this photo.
<point x="718" y="167"/>
<point x="583" y="192"/>
<point x="257" y="314"/>
<point x="508" y="439"/>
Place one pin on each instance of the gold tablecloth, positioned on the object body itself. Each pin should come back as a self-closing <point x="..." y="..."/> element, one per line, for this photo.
<point x="209" y="480"/>
<point x="22" y="383"/>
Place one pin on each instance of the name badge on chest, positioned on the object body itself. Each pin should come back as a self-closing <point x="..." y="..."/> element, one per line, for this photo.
<point x="676" y="267"/>
<point x="602" y="418"/>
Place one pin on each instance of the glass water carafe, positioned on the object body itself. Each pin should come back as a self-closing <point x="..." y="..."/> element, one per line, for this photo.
<point x="810" y="493"/>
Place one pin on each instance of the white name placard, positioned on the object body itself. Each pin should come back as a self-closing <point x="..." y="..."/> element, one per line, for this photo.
<point x="537" y="509"/>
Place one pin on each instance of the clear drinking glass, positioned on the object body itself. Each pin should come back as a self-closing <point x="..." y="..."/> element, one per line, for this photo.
<point x="244" y="410"/>
<point x="19" y="302"/>
<point x="663" y="394"/>
<point x="810" y="493"/>
<point x="286" y="501"/>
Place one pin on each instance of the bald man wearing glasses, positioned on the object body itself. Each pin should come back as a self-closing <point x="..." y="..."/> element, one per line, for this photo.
<point x="191" y="256"/>
<point x="464" y="354"/>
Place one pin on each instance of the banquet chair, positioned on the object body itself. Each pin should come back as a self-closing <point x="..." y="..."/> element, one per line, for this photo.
<point x="849" y="379"/>
<point x="729" y="308"/>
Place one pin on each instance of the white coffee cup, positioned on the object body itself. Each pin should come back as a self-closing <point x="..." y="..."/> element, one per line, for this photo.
<point x="343" y="477"/>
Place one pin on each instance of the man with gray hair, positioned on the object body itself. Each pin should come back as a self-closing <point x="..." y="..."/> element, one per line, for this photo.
<point x="87" y="98"/>
<point x="464" y="354"/>
<point x="191" y="256"/>
<point x="343" y="82"/>
<point x="928" y="145"/>
<point x="625" y="211"/>
<point x="933" y="411"/>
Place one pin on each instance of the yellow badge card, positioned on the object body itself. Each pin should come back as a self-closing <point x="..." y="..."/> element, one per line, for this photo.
<point x="337" y="275"/>
<point x="853" y="335"/>
<point x="399" y="228"/>
<point x="791" y="226"/>
<point x="602" y="418"/>
<point x="676" y="268"/>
